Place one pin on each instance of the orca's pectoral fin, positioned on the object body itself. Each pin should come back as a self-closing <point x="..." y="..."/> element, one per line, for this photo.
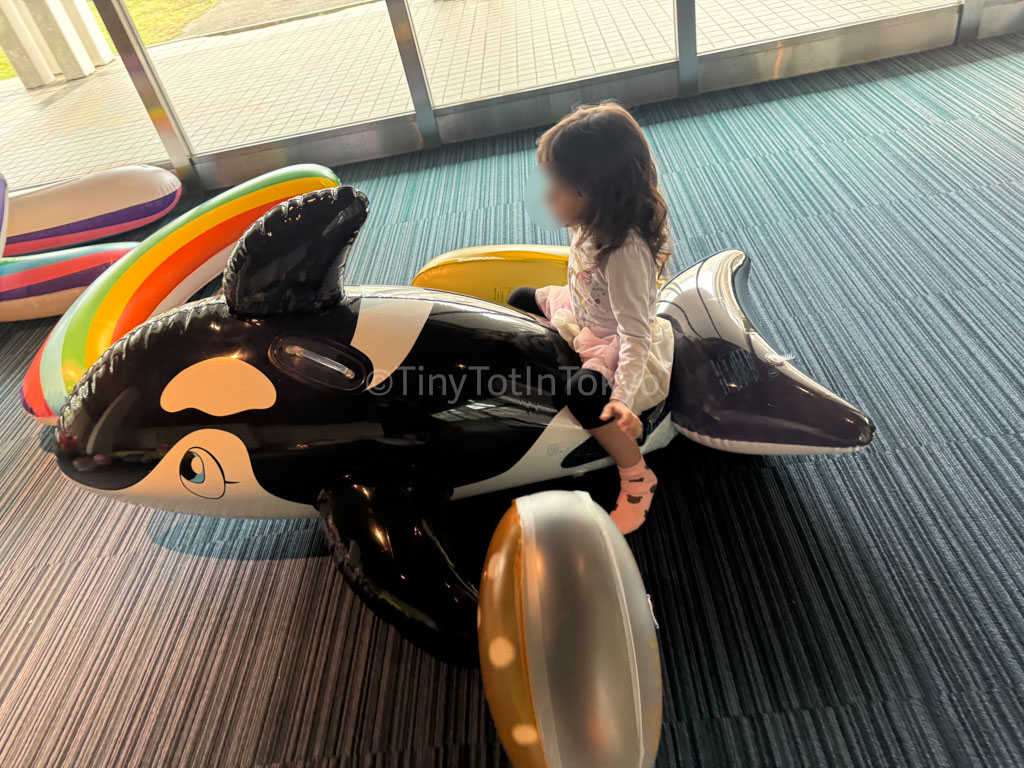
<point x="384" y="542"/>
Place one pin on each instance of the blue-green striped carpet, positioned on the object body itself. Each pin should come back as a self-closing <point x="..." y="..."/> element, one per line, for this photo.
<point x="863" y="610"/>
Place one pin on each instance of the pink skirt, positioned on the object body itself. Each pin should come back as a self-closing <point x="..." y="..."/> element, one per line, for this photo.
<point x="596" y="352"/>
<point x="601" y="353"/>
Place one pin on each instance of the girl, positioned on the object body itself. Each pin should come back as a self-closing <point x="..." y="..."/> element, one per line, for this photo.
<point x="603" y="186"/>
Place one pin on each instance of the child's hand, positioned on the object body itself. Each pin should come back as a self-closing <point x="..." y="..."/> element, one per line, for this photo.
<point x="624" y="417"/>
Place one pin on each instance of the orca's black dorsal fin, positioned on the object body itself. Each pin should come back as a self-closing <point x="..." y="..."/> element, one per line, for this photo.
<point x="293" y="258"/>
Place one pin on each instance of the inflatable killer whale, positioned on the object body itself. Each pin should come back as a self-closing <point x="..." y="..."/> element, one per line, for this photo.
<point x="291" y="395"/>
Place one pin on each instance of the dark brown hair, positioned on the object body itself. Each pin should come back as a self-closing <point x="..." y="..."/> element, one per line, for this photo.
<point x="601" y="151"/>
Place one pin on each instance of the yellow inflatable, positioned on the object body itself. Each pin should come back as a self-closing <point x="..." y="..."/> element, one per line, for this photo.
<point x="492" y="272"/>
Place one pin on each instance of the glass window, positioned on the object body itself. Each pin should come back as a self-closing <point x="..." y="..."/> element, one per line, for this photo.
<point x="475" y="49"/>
<point x="238" y="73"/>
<point x="723" y="24"/>
<point x="67" y="128"/>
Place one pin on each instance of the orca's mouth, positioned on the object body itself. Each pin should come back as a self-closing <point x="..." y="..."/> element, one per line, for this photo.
<point x="104" y="473"/>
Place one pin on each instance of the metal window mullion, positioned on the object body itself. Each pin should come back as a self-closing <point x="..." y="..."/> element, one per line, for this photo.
<point x="415" y="76"/>
<point x="147" y="83"/>
<point x="970" y="21"/>
<point x="686" y="46"/>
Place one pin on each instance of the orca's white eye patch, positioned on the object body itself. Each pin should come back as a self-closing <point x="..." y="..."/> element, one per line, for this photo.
<point x="219" y="386"/>
<point x="209" y="472"/>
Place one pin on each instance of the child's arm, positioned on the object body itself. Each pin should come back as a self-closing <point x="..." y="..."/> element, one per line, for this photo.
<point x="631" y="276"/>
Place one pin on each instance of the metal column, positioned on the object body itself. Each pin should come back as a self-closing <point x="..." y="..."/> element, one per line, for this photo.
<point x="136" y="60"/>
<point x="970" y="21"/>
<point x="412" y="62"/>
<point x="686" y="46"/>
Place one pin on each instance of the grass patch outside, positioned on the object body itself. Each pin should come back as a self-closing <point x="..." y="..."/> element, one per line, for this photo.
<point x="157" y="21"/>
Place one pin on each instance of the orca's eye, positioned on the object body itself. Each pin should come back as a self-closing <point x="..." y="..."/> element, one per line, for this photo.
<point x="201" y="474"/>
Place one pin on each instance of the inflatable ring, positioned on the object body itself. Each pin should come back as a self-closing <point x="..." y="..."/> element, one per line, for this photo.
<point x="160" y="273"/>
<point x="3" y="212"/>
<point x="564" y="620"/>
<point x="46" y="284"/>
<point x="492" y="272"/>
<point x="93" y="207"/>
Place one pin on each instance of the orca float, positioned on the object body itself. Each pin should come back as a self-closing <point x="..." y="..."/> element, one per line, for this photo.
<point x="291" y="395"/>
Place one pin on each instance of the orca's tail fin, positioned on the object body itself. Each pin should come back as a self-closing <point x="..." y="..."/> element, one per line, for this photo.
<point x="730" y="389"/>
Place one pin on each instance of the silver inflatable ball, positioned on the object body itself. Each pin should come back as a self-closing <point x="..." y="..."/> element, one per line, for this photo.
<point x="567" y="641"/>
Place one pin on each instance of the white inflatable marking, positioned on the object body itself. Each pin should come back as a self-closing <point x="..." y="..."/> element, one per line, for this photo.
<point x="763" y="449"/>
<point x="543" y="460"/>
<point x="386" y="331"/>
<point x="715" y="287"/>
<point x="225" y="461"/>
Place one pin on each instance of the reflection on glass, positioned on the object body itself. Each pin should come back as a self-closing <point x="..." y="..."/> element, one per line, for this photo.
<point x="159" y="21"/>
<point x="237" y="74"/>
<point x="474" y="49"/>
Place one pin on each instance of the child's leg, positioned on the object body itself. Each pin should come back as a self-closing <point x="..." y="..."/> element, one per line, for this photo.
<point x="586" y="395"/>
<point x="638" y="482"/>
<point x="525" y="298"/>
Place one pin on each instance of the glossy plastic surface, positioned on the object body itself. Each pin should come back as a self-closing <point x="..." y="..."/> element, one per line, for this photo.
<point x="95" y="206"/>
<point x="492" y="272"/>
<point x="382" y="526"/>
<point x="161" y="273"/>
<point x="563" y="603"/>
<point x="292" y="259"/>
<point x="294" y="396"/>
<point x="730" y="389"/>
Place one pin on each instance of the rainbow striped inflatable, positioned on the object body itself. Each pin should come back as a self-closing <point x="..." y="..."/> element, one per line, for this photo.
<point x="97" y="205"/>
<point x="46" y="284"/>
<point x="160" y="273"/>
<point x="3" y="212"/>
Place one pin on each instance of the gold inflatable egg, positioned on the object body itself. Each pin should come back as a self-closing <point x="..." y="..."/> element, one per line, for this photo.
<point x="491" y="272"/>
<point x="568" y="645"/>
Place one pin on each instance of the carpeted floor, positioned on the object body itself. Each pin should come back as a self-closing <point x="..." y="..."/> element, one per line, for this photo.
<point x="861" y="610"/>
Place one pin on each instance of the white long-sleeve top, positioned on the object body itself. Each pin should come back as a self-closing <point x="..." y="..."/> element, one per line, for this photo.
<point x="616" y="296"/>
